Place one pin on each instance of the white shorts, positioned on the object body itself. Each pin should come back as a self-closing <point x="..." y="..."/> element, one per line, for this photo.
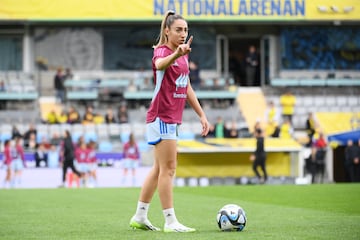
<point x="130" y="163"/>
<point x="17" y="164"/>
<point x="83" y="167"/>
<point x="93" y="166"/>
<point x="158" y="130"/>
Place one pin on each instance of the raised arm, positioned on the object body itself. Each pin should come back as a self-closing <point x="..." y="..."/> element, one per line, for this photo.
<point x="181" y="50"/>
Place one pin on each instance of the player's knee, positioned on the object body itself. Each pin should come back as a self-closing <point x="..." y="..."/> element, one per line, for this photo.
<point x="170" y="170"/>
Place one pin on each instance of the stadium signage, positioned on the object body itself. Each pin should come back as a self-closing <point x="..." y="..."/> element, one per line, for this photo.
<point x="194" y="10"/>
<point x="260" y="8"/>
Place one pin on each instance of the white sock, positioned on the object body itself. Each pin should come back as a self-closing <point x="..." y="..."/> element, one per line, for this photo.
<point x="169" y="215"/>
<point x="142" y="211"/>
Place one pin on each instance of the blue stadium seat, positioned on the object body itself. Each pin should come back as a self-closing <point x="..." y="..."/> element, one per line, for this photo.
<point x="124" y="137"/>
<point x="75" y="136"/>
<point x="105" y="146"/>
<point x="5" y="136"/>
<point x="40" y="136"/>
<point x="90" y="136"/>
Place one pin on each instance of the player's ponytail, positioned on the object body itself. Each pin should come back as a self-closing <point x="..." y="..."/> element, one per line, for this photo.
<point x="168" y="20"/>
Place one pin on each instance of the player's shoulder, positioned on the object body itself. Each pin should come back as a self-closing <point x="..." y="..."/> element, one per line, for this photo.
<point x="162" y="50"/>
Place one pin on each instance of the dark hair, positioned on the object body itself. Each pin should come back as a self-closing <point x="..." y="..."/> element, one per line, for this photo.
<point x="167" y="21"/>
<point x="68" y="134"/>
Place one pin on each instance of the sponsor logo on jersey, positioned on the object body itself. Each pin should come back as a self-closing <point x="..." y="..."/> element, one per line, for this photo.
<point x="181" y="81"/>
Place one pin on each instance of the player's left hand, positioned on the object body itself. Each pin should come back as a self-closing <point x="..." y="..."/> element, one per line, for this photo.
<point x="205" y="126"/>
<point x="185" y="48"/>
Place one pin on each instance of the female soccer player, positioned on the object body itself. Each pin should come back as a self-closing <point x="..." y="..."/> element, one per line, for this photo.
<point x="18" y="162"/>
<point x="131" y="158"/>
<point x="82" y="162"/>
<point x="7" y="163"/>
<point x="172" y="90"/>
<point x="92" y="164"/>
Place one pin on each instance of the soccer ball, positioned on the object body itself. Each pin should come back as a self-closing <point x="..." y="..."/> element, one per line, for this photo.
<point x="231" y="217"/>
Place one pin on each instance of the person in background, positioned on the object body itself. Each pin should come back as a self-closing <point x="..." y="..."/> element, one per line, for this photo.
<point x="357" y="163"/>
<point x="18" y="162"/>
<point x="62" y="118"/>
<point x="29" y="136"/>
<point x="68" y="74"/>
<point x="320" y="144"/>
<point x="41" y="159"/>
<point x="15" y="133"/>
<point x="259" y="157"/>
<point x="59" y="85"/>
<point x="51" y="117"/>
<point x="31" y="144"/>
<point x="287" y="102"/>
<point x="257" y="126"/>
<point x="272" y="118"/>
<point x="109" y="116"/>
<point x="219" y="128"/>
<point x="55" y="139"/>
<point x="2" y="89"/>
<point x="123" y="116"/>
<point x="73" y="115"/>
<point x="286" y="130"/>
<point x="355" y="121"/>
<point x="82" y="162"/>
<point x="98" y="119"/>
<point x="80" y="141"/>
<point x="233" y="131"/>
<point x="310" y="163"/>
<point x="171" y="71"/>
<point x="68" y="154"/>
<point x="45" y="142"/>
<point x="252" y="63"/>
<point x="92" y="164"/>
<point x="131" y="155"/>
<point x="89" y="115"/>
<point x="351" y="153"/>
<point x="310" y="128"/>
<point x="194" y="75"/>
<point x="7" y="163"/>
<point x="2" y="86"/>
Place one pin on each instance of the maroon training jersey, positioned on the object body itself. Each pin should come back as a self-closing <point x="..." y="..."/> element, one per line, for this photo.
<point x="169" y="97"/>
<point x="92" y="155"/>
<point x="7" y="155"/>
<point x="131" y="151"/>
<point x="81" y="155"/>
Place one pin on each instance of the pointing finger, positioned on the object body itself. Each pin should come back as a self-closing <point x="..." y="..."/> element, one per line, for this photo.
<point x="190" y="40"/>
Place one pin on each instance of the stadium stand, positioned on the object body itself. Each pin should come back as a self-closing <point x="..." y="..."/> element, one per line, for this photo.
<point x="318" y="62"/>
<point x="318" y="99"/>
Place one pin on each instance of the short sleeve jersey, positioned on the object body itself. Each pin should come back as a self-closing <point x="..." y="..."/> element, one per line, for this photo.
<point x="81" y="155"/>
<point x="131" y="151"/>
<point x="171" y="84"/>
<point x="91" y="155"/>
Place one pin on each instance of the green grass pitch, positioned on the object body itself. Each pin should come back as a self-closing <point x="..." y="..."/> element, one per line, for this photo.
<point x="329" y="211"/>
